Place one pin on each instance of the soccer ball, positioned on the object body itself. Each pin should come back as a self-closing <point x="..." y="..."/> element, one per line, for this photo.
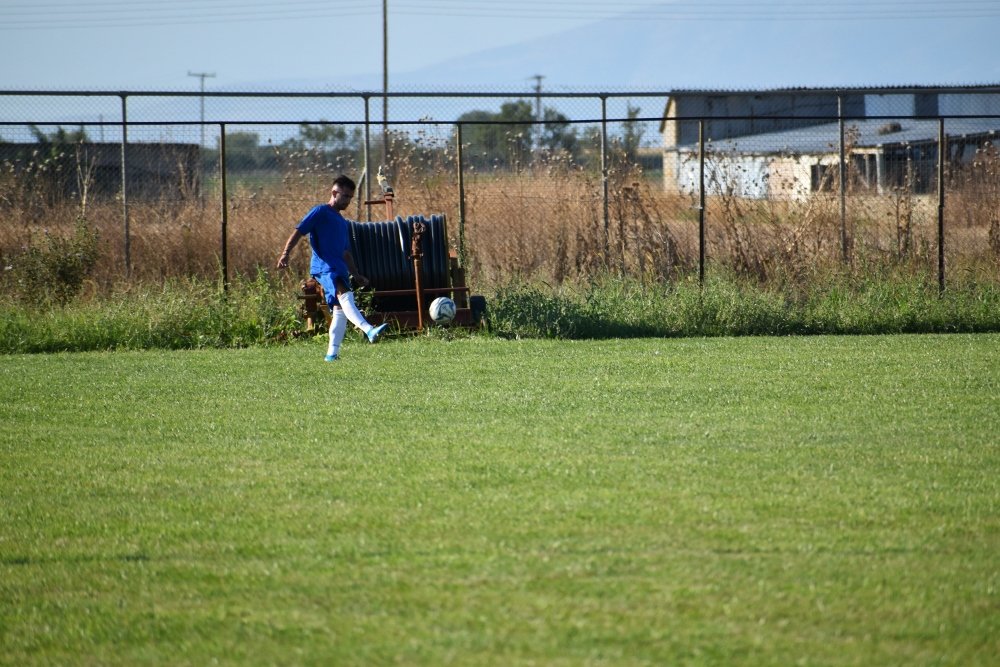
<point x="442" y="310"/>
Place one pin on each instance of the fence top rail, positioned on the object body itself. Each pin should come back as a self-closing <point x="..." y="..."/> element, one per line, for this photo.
<point x="318" y="94"/>
<point x="428" y="122"/>
<point x="883" y="90"/>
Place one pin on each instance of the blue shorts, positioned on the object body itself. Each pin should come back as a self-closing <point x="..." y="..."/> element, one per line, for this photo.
<point x="329" y="282"/>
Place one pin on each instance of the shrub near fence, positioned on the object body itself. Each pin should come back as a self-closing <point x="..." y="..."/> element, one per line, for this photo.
<point x="556" y="199"/>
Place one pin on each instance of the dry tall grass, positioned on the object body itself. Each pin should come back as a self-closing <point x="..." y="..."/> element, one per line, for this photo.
<point x="542" y="223"/>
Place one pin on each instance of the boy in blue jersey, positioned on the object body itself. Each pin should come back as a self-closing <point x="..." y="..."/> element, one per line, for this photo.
<point x="332" y="264"/>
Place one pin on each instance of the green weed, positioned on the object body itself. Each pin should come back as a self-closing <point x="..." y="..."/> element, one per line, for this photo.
<point x="177" y="314"/>
<point x="613" y="308"/>
<point x="52" y="271"/>
<point x="264" y="310"/>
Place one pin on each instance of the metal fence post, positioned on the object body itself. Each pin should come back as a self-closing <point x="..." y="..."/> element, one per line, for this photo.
<point x="604" y="179"/>
<point x="124" y="165"/>
<point x="367" y="172"/>
<point x="701" y="202"/>
<point x="461" y="195"/>
<point x="225" y="207"/>
<point x="843" y="180"/>
<point x="942" y="153"/>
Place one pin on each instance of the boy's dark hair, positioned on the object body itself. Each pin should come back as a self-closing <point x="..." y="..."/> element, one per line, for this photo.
<point x="344" y="182"/>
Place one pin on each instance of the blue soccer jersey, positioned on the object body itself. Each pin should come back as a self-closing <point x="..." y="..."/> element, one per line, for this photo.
<point x="329" y="237"/>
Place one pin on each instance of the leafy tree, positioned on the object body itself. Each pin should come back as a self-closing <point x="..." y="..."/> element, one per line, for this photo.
<point x="315" y="136"/>
<point x="60" y="137"/>
<point x="320" y="144"/>
<point x="329" y="138"/>
<point x="243" y="151"/>
<point x="632" y="134"/>
<point x="53" y="169"/>
<point x="558" y="135"/>
<point x="499" y="139"/>
<point x="57" y="146"/>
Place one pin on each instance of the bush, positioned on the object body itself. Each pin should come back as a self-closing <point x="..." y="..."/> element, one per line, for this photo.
<point x="53" y="271"/>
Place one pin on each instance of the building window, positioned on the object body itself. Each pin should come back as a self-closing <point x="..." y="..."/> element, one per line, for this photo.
<point x="823" y="177"/>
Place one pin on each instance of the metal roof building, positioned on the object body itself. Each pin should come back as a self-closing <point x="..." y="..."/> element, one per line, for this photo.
<point x="788" y="142"/>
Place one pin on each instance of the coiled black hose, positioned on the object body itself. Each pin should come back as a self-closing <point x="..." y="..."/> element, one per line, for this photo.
<point x="382" y="252"/>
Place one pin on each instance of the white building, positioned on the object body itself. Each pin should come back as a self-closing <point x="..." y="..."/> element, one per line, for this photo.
<point x="787" y="143"/>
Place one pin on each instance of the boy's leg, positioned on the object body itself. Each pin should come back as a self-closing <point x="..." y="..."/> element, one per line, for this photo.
<point x="338" y="327"/>
<point x="351" y="311"/>
<point x="346" y="299"/>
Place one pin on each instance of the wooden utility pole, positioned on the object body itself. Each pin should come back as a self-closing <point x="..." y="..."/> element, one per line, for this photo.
<point x="202" y="76"/>
<point x="385" y="82"/>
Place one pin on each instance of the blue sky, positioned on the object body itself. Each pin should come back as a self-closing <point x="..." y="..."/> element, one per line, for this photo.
<point x="484" y="44"/>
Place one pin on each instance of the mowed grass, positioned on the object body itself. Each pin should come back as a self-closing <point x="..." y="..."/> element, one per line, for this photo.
<point x="764" y="501"/>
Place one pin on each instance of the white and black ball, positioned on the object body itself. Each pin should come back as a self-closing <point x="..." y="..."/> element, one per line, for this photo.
<point x="442" y="310"/>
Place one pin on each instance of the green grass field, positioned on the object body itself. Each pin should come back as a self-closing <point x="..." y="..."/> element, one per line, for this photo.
<point x="720" y="501"/>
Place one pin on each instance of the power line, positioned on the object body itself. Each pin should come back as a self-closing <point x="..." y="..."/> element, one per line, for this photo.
<point x="185" y="8"/>
<point x="666" y="8"/>
<point x="77" y="7"/>
<point x="183" y="18"/>
<point x="713" y="10"/>
<point x="184" y="13"/>
<point x="618" y="7"/>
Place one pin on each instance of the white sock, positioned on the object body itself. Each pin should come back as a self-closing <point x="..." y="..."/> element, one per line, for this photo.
<point x="351" y="311"/>
<point x="338" y="327"/>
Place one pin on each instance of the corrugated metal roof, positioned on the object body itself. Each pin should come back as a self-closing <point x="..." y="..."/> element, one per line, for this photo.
<point x="868" y="90"/>
<point x="806" y="91"/>
<point x="823" y="139"/>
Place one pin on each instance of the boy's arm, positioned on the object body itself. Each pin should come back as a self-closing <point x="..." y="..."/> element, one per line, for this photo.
<point x="289" y="245"/>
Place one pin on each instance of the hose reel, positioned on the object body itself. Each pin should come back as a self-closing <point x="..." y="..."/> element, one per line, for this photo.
<point x="382" y="251"/>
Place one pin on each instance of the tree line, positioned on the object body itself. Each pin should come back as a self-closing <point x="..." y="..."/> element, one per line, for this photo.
<point x="510" y="138"/>
<point x="515" y="136"/>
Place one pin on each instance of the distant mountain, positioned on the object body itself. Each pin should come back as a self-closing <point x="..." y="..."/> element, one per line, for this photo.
<point x="633" y="54"/>
<point x="623" y="55"/>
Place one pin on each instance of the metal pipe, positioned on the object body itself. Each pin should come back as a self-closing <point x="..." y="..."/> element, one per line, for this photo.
<point x="461" y="195"/>
<point x="225" y="207"/>
<point x="843" y="180"/>
<point x="124" y="163"/>
<point x="942" y="153"/>
<point x="604" y="177"/>
<point x="367" y="172"/>
<point x="416" y="251"/>
<point x="701" y="202"/>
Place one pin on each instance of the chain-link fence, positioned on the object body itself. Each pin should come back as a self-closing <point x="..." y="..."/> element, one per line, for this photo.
<point x="781" y="185"/>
